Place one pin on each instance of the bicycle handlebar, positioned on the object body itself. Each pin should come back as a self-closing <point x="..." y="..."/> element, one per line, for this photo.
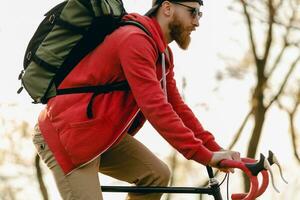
<point x="251" y="168"/>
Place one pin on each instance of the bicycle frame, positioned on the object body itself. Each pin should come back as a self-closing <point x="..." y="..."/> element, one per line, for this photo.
<point x="250" y="167"/>
<point x="213" y="188"/>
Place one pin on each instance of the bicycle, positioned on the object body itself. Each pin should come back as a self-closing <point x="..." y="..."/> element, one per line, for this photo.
<point x="249" y="166"/>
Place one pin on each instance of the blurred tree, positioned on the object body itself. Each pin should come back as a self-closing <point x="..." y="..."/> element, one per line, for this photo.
<point x="274" y="54"/>
<point x="292" y="113"/>
<point x="39" y="174"/>
<point x="173" y="159"/>
<point x="16" y="158"/>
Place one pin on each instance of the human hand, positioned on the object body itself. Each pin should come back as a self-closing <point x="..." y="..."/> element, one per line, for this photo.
<point x="218" y="156"/>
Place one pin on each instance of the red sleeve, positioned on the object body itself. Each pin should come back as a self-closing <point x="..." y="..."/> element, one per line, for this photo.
<point x="138" y="59"/>
<point x="187" y="115"/>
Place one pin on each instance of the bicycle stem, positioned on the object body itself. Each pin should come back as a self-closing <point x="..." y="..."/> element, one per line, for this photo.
<point x="212" y="179"/>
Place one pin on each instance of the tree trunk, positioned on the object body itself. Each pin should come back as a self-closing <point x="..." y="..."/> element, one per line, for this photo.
<point x="259" y="117"/>
<point x="173" y="170"/>
<point x="39" y="175"/>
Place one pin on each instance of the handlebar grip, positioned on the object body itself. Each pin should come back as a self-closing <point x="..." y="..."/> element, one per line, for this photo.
<point x="238" y="196"/>
<point x="253" y="179"/>
<point x="264" y="184"/>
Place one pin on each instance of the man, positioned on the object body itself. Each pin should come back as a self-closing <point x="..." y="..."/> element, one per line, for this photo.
<point x="79" y="135"/>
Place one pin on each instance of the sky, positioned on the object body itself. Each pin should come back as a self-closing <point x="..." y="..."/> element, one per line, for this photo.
<point x="220" y="112"/>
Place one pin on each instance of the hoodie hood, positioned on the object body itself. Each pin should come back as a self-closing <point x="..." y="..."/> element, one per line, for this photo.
<point x="152" y="26"/>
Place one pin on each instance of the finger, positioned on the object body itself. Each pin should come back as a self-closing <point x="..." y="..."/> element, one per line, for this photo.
<point x="236" y="156"/>
<point x="227" y="170"/>
<point x="231" y="170"/>
<point x="223" y="170"/>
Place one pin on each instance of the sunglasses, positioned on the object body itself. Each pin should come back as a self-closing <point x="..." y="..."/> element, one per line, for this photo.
<point x="195" y="12"/>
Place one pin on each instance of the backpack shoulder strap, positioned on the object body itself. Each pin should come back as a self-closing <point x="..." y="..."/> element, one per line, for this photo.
<point x="135" y="23"/>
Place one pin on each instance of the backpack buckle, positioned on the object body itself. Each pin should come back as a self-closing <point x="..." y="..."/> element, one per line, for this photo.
<point x="52" y="18"/>
<point x="29" y="55"/>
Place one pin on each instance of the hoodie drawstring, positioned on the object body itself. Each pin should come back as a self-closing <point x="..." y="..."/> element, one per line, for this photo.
<point x="163" y="61"/>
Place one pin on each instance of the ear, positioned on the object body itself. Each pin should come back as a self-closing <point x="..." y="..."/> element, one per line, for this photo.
<point x="167" y="8"/>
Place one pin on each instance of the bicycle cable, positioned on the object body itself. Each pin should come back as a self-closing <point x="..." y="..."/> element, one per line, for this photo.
<point x="228" y="187"/>
<point x="226" y="177"/>
<point x="226" y="174"/>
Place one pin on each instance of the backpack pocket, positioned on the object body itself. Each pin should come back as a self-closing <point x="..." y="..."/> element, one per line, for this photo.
<point x="37" y="81"/>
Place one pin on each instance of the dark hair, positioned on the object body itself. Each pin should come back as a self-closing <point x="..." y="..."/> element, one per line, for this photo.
<point x="156" y="4"/>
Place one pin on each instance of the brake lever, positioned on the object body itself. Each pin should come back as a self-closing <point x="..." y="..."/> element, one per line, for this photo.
<point x="273" y="160"/>
<point x="268" y="167"/>
<point x="252" y="168"/>
<point x="262" y="164"/>
<point x="257" y="167"/>
<point x="265" y="177"/>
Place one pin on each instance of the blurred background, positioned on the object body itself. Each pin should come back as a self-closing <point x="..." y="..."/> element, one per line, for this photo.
<point x="240" y="75"/>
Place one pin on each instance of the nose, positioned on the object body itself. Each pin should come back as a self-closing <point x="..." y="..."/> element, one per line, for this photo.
<point x="196" y="21"/>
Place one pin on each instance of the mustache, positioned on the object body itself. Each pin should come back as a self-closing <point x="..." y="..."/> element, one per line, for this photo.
<point x="193" y="28"/>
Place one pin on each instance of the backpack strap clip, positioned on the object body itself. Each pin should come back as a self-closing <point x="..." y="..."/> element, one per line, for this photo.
<point x="96" y="90"/>
<point x="52" y="19"/>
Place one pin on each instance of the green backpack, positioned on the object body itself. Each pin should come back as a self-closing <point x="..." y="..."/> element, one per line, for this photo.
<point x="68" y="32"/>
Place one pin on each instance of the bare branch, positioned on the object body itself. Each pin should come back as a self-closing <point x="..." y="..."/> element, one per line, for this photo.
<point x="278" y="59"/>
<point x="269" y="38"/>
<point x="292" y="115"/>
<point x="294" y="137"/>
<point x="278" y="5"/>
<point x="296" y="44"/>
<point x="261" y="19"/>
<point x="292" y="67"/>
<point x="276" y="21"/>
<point x="240" y="130"/>
<point x="250" y="28"/>
<point x="285" y="45"/>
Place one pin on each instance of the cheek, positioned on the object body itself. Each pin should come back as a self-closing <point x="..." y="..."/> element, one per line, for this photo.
<point x="184" y="29"/>
<point x="180" y="18"/>
<point x="185" y="25"/>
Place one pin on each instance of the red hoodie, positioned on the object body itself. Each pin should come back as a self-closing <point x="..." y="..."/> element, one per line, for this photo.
<point x="126" y="54"/>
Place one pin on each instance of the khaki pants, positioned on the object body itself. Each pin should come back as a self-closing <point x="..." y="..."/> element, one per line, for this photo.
<point x="129" y="161"/>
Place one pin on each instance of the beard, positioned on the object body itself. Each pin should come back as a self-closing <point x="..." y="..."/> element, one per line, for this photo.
<point x="179" y="33"/>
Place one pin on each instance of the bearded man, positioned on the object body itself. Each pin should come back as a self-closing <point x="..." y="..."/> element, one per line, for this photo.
<point x="76" y="146"/>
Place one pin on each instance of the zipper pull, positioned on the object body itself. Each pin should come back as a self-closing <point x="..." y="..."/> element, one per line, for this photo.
<point x="20" y="90"/>
<point x="19" y="78"/>
<point x="21" y="75"/>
